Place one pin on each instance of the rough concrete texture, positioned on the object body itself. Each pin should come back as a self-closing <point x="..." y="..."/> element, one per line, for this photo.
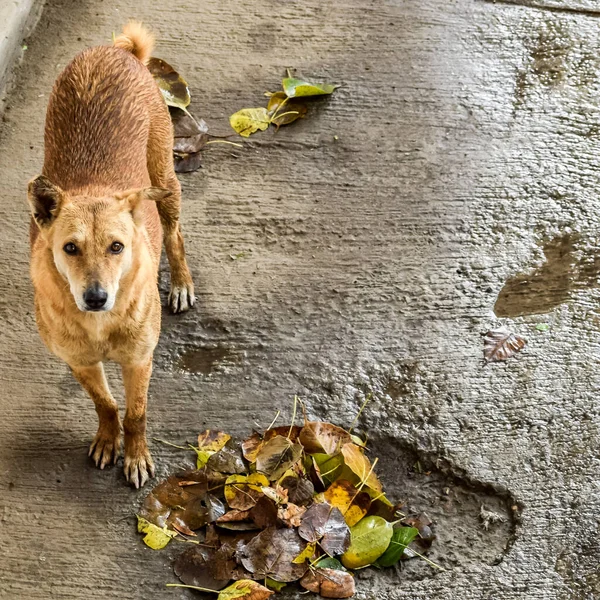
<point x="465" y="164"/>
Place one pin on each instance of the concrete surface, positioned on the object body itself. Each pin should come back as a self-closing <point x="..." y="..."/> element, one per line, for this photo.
<point x="17" y="17"/>
<point x="465" y="163"/>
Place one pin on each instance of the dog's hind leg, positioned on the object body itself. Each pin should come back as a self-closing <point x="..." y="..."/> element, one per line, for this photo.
<point x="162" y="174"/>
<point x="107" y="444"/>
<point x="138" y="462"/>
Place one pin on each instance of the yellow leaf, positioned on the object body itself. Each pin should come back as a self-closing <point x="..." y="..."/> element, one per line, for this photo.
<point x="156" y="537"/>
<point x="202" y="459"/>
<point x="360" y="465"/>
<point x="306" y="554"/>
<point x="242" y="491"/>
<point x="249" y="120"/>
<point x="212" y="440"/>
<point x="352" y="503"/>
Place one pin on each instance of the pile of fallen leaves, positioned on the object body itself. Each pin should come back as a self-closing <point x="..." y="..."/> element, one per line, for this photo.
<point x="191" y="134"/>
<point x="294" y="504"/>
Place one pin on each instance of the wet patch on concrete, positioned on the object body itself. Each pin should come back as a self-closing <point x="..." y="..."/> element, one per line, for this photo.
<point x="474" y="523"/>
<point x="565" y="270"/>
<point x="206" y="360"/>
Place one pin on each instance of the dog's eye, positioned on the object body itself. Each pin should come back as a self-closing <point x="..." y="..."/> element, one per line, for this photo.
<point x="116" y="247"/>
<point x="70" y="248"/>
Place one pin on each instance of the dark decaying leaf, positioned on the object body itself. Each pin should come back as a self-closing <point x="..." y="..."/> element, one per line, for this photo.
<point x="329" y="583"/>
<point x="501" y="344"/>
<point x="262" y="515"/>
<point x="277" y="456"/>
<point x="317" y="436"/>
<point x="243" y="491"/>
<point x="401" y="538"/>
<point x="325" y="524"/>
<point x="256" y="441"/>
<point x="271" y="552"/>
<point x="423" y="524"/>
<point x="186" y="125"/>
<point x="289" y="113"/>
<point x="226" y="460"/>
<point x="186" y="163"/>
<point x="194" y="566"/>
<point x="173" y="87"/>
<point x="300" y="490"/>
<point x="214" y="508"/>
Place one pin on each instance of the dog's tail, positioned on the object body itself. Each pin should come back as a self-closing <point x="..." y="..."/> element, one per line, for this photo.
<point x="137" y="40"/>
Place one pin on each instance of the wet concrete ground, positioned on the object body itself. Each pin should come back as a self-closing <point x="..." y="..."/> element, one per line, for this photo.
<point x="454" y="173"/>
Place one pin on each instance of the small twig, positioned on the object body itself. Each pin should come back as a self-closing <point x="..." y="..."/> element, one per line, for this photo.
<point x="224" y="142"/>
<point x="364" y="481"/>
<point x="427" y="560"/>
<point x="192" y="587"/>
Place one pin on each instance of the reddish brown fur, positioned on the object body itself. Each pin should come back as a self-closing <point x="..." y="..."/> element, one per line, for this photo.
<point x="108" y="135"/>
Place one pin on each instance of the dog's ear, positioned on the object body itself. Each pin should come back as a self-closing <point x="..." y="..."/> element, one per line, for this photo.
<point x="132" y="200"/>
<point x="45" y="200"/>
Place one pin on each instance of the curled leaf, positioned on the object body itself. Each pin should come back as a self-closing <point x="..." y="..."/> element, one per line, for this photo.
<point x="156" y="537"/>
<point x="295" y="88"/>
<point x="249" y="120"/>
<point x="173" y="87"/>
<point x="329" y="583"/>
<point x="370" y="539"/>
<point x="501" y="344"/>
<point x="317" y="436"/>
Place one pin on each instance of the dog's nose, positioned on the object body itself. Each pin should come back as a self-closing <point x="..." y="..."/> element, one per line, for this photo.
<point x="95" y="297"/>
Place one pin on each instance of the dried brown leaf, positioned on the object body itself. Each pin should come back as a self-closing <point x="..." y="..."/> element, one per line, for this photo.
<point x="500" y="344"/>
<point x="329" y="583"/>
<point x="318" y="436"/>
<point x="325" y="524"/>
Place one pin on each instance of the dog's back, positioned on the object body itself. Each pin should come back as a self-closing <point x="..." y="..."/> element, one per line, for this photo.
<point x="99" y="119"/>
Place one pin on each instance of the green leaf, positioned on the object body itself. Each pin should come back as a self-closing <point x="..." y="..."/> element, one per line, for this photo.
<point x="203" y="456"/>
<point x="173" y="87"/>
<point x="401" y="538"/>
<point x="330" y="466"/>
<point x="370" y="538"/>
<point x="542" y="327"/>
<point x="249" y="120"/>
<point x="156" y="537"/>
<point x="294" y="88"/>
<point x="330" y="563"/>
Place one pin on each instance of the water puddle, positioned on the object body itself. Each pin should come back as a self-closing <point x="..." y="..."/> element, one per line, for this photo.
<point x="550" y="285"/>
<point x="205" y="360"/>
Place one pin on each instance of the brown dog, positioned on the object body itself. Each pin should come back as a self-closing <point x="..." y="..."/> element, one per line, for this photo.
<point x="107" y="186"/>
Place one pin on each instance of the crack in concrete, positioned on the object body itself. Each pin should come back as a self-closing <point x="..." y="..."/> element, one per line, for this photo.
<point x="587" y="12"/>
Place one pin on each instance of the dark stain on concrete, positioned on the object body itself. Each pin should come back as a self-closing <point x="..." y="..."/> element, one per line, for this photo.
<point x="552" y="284"/>
<point x="205" y="360"/>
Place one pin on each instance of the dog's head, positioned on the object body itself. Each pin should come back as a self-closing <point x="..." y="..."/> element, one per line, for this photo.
<point x="91" y="239"/>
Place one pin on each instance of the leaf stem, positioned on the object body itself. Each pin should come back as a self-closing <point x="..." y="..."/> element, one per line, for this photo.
<point x="224" y="142"/>
<point x="293" y="416"/>
<point x="364" y="481"/>
<point x="367" y="400"/>
<point x="428" y="561"/>
<point x="273" y="421"/>
<point x="192" y="587"/>
<point x="170" y="444"/>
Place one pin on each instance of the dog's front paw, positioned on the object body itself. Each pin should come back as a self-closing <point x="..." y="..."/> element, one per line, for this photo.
<point x="106" y="446"/>
<point x="181" y="297"/>
<point x="138" y="467"/>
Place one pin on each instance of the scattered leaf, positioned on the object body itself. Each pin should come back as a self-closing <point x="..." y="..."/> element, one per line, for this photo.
<point x="295" y="88"/>
<point x="276" y="101"/>
<point x="212" y="440"/>
<point x="306" y="554"/>
<point x="352" y="503"/>
<point x="542" y="327"/>
<point x="325" y="524"/>
<point x="274" y="585"/>
<point x="249" y="120"/>
<point x="173" y="87"/>
<point x="317" y="436"/>
<point x="156" y="537"/>
<point x="370" y="539"/>
<point x="186" y="163"/>
<point x="277" y="456"/>
<point x="329" y="583"/>
<point x="226" y="460"/>
<point x="501" y="344"/>
<point x="289" y="114"/>
<point x="300" y="490"/>
<point x="271" y="552"/>
<point x="243" y="491"/>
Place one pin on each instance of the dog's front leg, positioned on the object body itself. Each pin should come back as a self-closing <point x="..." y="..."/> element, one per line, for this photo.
<point x="107" y="443"/>
<point x="138" y="462"/>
